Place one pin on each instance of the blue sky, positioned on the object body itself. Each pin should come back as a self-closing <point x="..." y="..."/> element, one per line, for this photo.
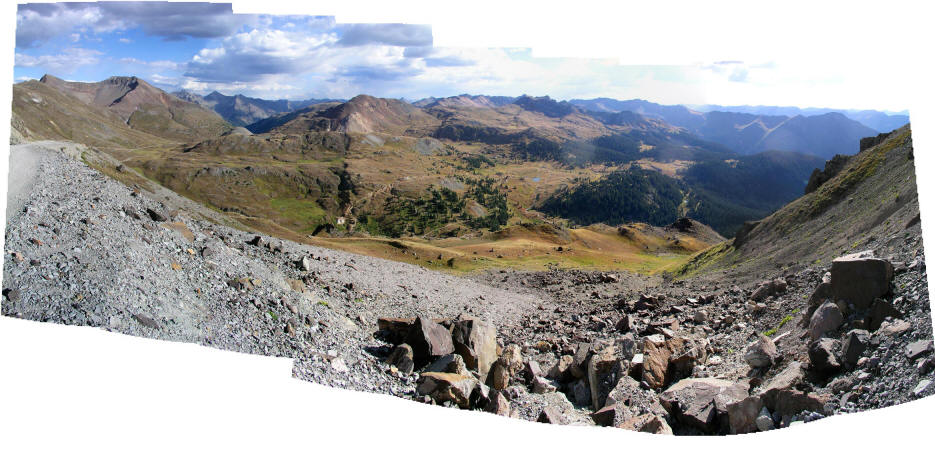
<point x="203" y="47"/>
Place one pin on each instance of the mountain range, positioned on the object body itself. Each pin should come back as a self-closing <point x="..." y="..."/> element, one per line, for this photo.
<point x="471" y="168"/>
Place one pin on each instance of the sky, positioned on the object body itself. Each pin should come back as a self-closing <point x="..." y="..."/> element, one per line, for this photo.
<point x="203" y="47"/>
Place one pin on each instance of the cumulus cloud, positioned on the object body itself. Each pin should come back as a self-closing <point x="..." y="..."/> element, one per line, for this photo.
<point x="37" y="23"/>
<point x="67" y="61"/>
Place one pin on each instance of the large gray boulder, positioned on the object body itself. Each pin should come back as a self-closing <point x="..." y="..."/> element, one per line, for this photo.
<point x="428" y="340"/>
<point x="476" y="342"/>
<point x="860" y="278"/>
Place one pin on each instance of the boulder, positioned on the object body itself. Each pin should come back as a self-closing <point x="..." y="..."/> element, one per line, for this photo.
<point x="606" y="416"/>
<point x="428" y="340"/>
<point x="402" y="359"/>
<point x="699" y="402"/>
<point x="762" y="353"/>
<point x="742" y="415"/>
<point x="451" y="363"/>
<point x="627" y="346"/>
<point x="788" y="378"/>
<point x="561" y="371"/>
<point x="918" y="349"/>
<point x="579" y="367"/>
<point x="854" y="343"/>
<point x="499" y="376"/>
<point x="447" y="387"/>
<point x="625" y="324"/>
<point x="790" y="402"/>
<point x="629" y="394"/>
<point x="648" y="423"/>
<point x="826" y="318"/>
<point x="394" y="329"/>
<point x="822" y="354"/>
<point x="655" y="363"/>
<point x="476" y="342"/>
<point x="156" y="215"/>
<point x="821" y="294"/>
<point x="860" y="278"/>
<point x="764" y="421"/>
<point x="512" y="358"/>
<point x="604" y="370"/>
<point x="551" y="415"/>
<point x="497" y="404"/>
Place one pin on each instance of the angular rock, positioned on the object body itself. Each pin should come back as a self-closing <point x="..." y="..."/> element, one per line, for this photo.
<point x="625" y="324"/>
<point x="402" y="359"/>
<point x="579" y="368"/>
<point x="156" y="215"/>
<point x="826" y="318"/>
<point x="918" y="349"/>
<point x="854" y="343"/>
<point x="394" y="330"/>
<point x="541" y="385"/>
<point x="629" y="394"/>
<point x="821" y="294"/>
<point x="860" y="278"/>
<point x="695" y="402"/>
<point x="822" y="354"/>
<point x="476" y="342"/>
<point x="788" y="378"/>
<point x="444" y="387"/>
<point x="499" y="376"/>
<point x="428" y="340"/>
<point x="742" y="415"/>
<point x="512" y="358"/>
<point x="451" y="363"/>
<point x="764" y="421"/>
<point x="606" y="416"/>
<point x="648" y="423"/>
<point x="655" y="363"/>
<point x="551" y="415"/>
<point x="561" y="371"/>
<point x="498" y="404"/>
<point x="603" y="373"/>
<point x="790" y="402"/>
<point x="628" y="346"/>
<point x="762" y="353"/>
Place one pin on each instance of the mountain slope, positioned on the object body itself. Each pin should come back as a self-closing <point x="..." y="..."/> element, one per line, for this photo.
<point x="144" y="107"/>
<point x="363" y="114"/>
<point x="870" y="201"/>
<point x="42" y="112"/>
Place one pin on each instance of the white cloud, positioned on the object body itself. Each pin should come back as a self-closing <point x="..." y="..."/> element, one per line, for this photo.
<point x="66" y="62"/>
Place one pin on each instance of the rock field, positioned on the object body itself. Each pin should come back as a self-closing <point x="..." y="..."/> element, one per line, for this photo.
<point x="696" y="356"/>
